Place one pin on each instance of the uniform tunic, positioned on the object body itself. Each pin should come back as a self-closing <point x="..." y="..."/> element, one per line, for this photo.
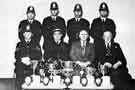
<point x="35" y="28"/>
<point x="74" y="27"/>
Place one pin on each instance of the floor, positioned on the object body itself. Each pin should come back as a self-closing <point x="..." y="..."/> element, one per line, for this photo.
<point x="7" y="84"/>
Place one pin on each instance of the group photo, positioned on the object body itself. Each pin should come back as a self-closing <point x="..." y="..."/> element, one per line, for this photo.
<point x="70" y="45"/>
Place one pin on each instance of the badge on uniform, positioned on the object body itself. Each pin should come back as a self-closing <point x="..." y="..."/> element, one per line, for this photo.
<point x="28" y="27"/>
<point x="77" y="7"/>
<point x="31" y="8"/>
<point x="54" y="5"/>
<point x="104" y="6"/>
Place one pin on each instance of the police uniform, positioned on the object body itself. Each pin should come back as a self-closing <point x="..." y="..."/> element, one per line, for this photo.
<point x="49" y="24"/>
<point x="99" y="25"/>
<point x="33" y="25"/>
<point x="74" y="26"/>
<point x="25" y="49"/>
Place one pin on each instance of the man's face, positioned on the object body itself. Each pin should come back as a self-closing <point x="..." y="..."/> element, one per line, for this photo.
<point x="103" y="13"/>
<point x="30" y="16"/>
<point x="57" y="35"/>
<point x="78" y="14"/>
<point x="83" y="35"/>
<point x="54" y="12"/>
<point x="27" y="35"/>
<point x="107" y="36"/>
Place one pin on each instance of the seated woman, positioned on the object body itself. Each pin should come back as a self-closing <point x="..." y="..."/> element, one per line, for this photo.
<point x="82" y="52"/>
<point x="26" y="52"/>
<point x="113" y="62"/>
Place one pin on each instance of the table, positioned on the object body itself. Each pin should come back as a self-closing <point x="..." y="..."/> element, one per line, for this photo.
<point x="59" y="85"/>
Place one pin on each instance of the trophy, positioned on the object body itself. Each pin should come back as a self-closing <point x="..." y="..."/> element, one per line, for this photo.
<point x="68" y="72"/>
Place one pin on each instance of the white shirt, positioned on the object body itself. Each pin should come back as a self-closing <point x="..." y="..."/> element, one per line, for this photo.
<point x="108" y="44"/>
<point x="58" y="41"/>
<point x="77" y="19"/>
<point x="103" y="19"/>
<point x="30" y="21"/>
<point x="54" y="17"/>
<point x="28" y="40"/>
<point x="83" y="43"/>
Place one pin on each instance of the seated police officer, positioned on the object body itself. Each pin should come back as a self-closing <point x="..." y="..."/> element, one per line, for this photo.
<point x="26" y="53"/>
<point x="82" y="52"/>
<point x="113" y="62"/>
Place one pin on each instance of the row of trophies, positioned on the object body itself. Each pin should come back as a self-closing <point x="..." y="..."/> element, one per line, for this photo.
<point x="67" y="74"/>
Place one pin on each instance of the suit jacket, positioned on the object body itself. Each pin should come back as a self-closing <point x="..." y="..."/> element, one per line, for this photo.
<point x="49" y="24"/>
<point x="77" y="55"/>
<point x="116" y="54"/>
<point x="57" y="51"/>
<point x="35" y="28"/>
<point x="98" y="27"/>
<point x="74" y="27"/>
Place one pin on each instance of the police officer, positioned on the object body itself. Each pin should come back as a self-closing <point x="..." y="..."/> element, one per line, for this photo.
<point x="51" y="22"/>
<point x="33" y="25"/>
<point x="76" y="24"/>
<point x="102" y="23"/>
<point x="99" y="25"/>
<point x="26" y="52"/>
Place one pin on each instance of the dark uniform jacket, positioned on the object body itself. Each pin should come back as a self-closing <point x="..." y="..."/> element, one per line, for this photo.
<point x="24" y="49"/>
<point x="35" y="28"/>
<point x="53" y="50"/>
<point x="74" y="27"/>
<point x="98" y="27"/>
<point x="77" y="54"/>
<point x="49" y="24"/>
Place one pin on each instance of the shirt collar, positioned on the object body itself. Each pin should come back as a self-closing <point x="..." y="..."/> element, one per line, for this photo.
<point x="108" y="44"/>
<point x="83" y="43"/>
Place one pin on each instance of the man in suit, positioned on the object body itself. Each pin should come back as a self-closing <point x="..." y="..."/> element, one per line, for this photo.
<point x="56" y="48"/>
<point x="32" y="24"/>
<point x="100" y="24"/>
<point x="26" y="53"/>
<point x="82" y="52"/>
<point x="52" y="22"/>
<point x="76" y="24"/>
<point x="113" y="62"/>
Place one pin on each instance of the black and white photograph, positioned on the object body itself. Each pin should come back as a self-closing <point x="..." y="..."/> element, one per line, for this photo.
<point x="67" y="45"/>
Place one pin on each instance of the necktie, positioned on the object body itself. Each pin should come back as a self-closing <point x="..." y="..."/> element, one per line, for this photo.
<point x="103" y="20"/>
<point x="108" y="50"/>
<point x="83" y="48"/>
<point x="54" y="18"/>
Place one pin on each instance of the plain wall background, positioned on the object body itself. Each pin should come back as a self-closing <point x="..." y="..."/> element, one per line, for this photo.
<point x="13" y="11"/>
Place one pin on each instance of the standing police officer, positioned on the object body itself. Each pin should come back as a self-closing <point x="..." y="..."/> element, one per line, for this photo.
<point x="51" y="22"/>
<point x="33" y="25"/>
<point x="100" y="25"/>
<point x="76" y="24"/>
